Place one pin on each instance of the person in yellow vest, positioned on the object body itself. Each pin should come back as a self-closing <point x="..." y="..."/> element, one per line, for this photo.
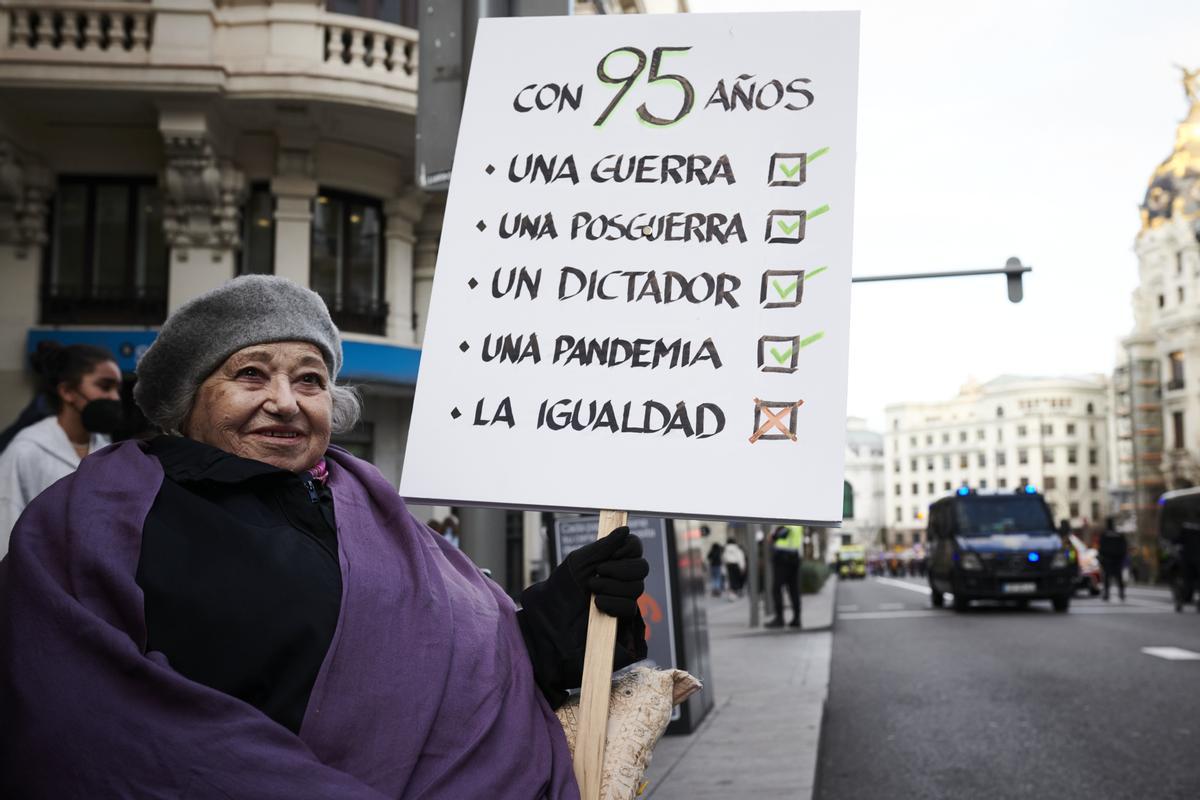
<point x="785" y="562"/>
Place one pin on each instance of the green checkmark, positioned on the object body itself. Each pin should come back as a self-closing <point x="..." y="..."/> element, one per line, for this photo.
<point x="818" y="212"/>
<point x="784" y="356"/>
<point x="790" y="173"/>
<point x="814" y="273"/>
<point x="786" y="228"/>
<point x="805" y="342"/>
<point x="817" y="154"/>
<point x="785" y="291"/>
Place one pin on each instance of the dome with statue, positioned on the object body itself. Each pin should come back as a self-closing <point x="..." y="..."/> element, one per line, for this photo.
<point x="1174" y="191"/>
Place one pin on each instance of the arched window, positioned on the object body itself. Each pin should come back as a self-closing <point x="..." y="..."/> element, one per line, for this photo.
<point x="847" y="500"/>
<point x="1091" y="409"/>
<point x="999" y="411"/>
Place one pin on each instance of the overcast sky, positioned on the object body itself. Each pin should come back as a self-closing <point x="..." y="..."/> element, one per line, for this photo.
<point x="992" y="129"/>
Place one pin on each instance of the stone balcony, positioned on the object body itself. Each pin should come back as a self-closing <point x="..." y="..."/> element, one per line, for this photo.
<point x="284" y="50"/>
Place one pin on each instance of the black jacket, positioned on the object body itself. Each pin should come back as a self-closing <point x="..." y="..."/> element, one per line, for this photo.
<point x="1113" y="547"/>
<point x="239" y="569"/>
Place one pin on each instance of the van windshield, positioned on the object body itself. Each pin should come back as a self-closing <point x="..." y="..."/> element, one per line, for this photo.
<point x="984" y="516"/>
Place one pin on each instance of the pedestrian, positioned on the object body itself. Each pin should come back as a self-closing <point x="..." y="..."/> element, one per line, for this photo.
<point x="81" y="384"/>
<point x="734" y="558"/>
<point x="449" y="530"/>
<point x="240" y="609"/>
<point x="785" y="564"/>
<point x="1113" y="549"/>
<point x="716" y="569"/>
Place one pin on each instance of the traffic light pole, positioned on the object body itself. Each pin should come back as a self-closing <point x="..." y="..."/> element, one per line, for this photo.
<point x="1013" y="269"/>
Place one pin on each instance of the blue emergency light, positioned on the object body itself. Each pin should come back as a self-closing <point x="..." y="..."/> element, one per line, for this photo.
<point x="1034" y="557"/>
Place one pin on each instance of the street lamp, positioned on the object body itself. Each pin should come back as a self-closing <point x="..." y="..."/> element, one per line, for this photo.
<point x="1012" y="270"/>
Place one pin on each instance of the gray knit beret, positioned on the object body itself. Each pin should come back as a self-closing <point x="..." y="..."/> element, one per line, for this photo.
<point x="202" y="333"/>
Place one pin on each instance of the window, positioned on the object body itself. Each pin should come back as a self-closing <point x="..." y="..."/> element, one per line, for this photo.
<point x="1070" y="429"/>
<point x="1072" y="455"/>
<point x="962" y="436"/>
<point x="962" y="461"/>
<point x="946" y="486"/>
<point x="1053" y="510"/>
<point x="1095" y="511"/>
<point x="915" y="488"/>
<point x="929" y="464"/>
<point x="1047" y="429"/>
<point x="897" y="489"/>
<point x="1091" y="432"/>
<point x="1092" y="456"/>
<point x="981" y="459"/>
<point x="1094" y="483"/>
<point x="999" y="434"/>
<point x="1021" y="431"/>
<point x="999" y="411"/>
<point x="1051" y="483"/>
<point x="1022" y="456"/>
<point x="929" y="439"/>
<point x="912" y="441"/>
<point x="1179" y="294"/>
<point x="107" y="260"/>
<point x="983" y="483"/>
<point x="899" y="514"/>
<point x="896" y="466"/>
<point x="1178" y="262"/>
<point x="980" y="435"/>
<point x="397" y="12"/>
<point x="945" y="438"/>
<point x="931" y="488"/>
<point x="916" y="512"/>
<point x="1177" y="440"/>
<point x="1002" y="483"/>
<point x="1073" y="509"/>
<point x="1175" y="368"/>
<point x="1047" y="455"/>
<point x="945" y="462"/>
<point x="1090" y="409"/>
<point x="913" y="465"/>
<point x="1161" y="301"/>
<point x="347" y="260"/>
<point x="900" y="535"/>
<point x="1073" y="482"/>
<point x="1001" y="459"/>
<point x="257" y="256"/>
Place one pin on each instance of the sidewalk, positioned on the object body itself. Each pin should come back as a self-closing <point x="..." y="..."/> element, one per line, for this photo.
<point x="760" y="739"/>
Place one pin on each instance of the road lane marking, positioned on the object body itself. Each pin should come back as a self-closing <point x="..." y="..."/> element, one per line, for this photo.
<point x="848" y="607"/>
<point x="912" y="587"/>
<point x="1172" y="653"/>
<point x="911" y="613"/>
<point x="891" y="606"/>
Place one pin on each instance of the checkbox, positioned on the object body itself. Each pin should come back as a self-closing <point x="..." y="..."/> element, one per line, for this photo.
<point x="778" y="353"/>
<point x="787" y="169"/>
<point x="781" y="288"/>
<point x="785" y="226"/>
<point x="769" y="421"/>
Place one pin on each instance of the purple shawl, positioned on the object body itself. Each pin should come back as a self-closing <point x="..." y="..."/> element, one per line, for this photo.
<point x="426" y="691"/>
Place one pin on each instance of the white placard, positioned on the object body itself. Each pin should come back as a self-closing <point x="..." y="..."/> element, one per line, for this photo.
<point x="688" y="284"/>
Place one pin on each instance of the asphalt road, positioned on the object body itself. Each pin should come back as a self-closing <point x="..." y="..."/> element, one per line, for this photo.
<point x="1007" y="703"/>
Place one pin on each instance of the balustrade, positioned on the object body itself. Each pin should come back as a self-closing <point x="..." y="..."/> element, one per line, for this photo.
<point x="87" y="28"/>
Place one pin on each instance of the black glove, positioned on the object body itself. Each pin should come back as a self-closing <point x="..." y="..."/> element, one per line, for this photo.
<point x="554" y="613"/>
<point x="613" y="570"/>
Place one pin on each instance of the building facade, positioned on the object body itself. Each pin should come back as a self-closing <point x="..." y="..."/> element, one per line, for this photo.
<point x="865" y="494"/>
<point x="1013" y="431"/>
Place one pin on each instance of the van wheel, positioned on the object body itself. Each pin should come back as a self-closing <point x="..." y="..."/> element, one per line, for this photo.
<point x="1062" y="602"/>
<point x="937" y="598"/>
<point x="961" y="603"/>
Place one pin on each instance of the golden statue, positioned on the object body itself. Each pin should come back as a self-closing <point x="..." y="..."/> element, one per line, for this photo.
<point x="1191" y="84"/>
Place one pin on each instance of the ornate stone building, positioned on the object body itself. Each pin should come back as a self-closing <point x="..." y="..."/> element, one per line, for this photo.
<point x="1157" y="406"/>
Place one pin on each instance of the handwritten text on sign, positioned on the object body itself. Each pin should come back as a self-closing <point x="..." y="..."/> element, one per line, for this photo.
<point x="641" y="298"/>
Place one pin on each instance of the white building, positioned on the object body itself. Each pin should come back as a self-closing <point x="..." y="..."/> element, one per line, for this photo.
<point x="865" y="494"/>
<point x="1009" y="432"/>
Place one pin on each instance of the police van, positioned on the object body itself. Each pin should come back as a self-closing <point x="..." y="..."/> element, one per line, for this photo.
<point x="994" y="546"/>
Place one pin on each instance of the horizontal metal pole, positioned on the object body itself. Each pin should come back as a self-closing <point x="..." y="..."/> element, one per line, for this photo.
<point x="956" y="274"/>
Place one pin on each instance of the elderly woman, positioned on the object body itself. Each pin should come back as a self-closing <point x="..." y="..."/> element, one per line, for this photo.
<point x="238" y="609"/>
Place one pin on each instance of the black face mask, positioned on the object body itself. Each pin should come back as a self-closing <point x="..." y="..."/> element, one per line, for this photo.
<point x="103" y="416"/>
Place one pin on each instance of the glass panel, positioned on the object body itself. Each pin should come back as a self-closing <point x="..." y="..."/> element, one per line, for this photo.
<point x="365" y="235"/>
<point x="112" y="251"/>
<point x="326" y="244"/>
<point x="151" y="276"/>
<point x="70" y="239"/>
<point x="258" y="234"/>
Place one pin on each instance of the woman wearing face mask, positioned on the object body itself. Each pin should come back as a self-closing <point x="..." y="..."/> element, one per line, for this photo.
<point x="82" y="385"/>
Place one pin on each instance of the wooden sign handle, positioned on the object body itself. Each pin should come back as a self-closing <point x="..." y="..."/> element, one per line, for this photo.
<point x="597" y="680"/>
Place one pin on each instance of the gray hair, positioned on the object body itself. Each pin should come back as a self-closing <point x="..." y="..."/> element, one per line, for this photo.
<point x="347" y="409"/>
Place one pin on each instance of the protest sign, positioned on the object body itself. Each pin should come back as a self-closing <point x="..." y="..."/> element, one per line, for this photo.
<point x="641" y="299"/>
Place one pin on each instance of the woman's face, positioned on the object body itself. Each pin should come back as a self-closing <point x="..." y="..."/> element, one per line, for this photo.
<point x="103" y="382"/>
<point x="268" y="402"/>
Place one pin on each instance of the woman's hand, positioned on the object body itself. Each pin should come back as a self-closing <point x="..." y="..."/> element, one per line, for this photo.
<point x="613" y="570"/>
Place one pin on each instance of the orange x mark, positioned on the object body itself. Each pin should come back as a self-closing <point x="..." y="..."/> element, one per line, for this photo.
<point x="774" y="420"/>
